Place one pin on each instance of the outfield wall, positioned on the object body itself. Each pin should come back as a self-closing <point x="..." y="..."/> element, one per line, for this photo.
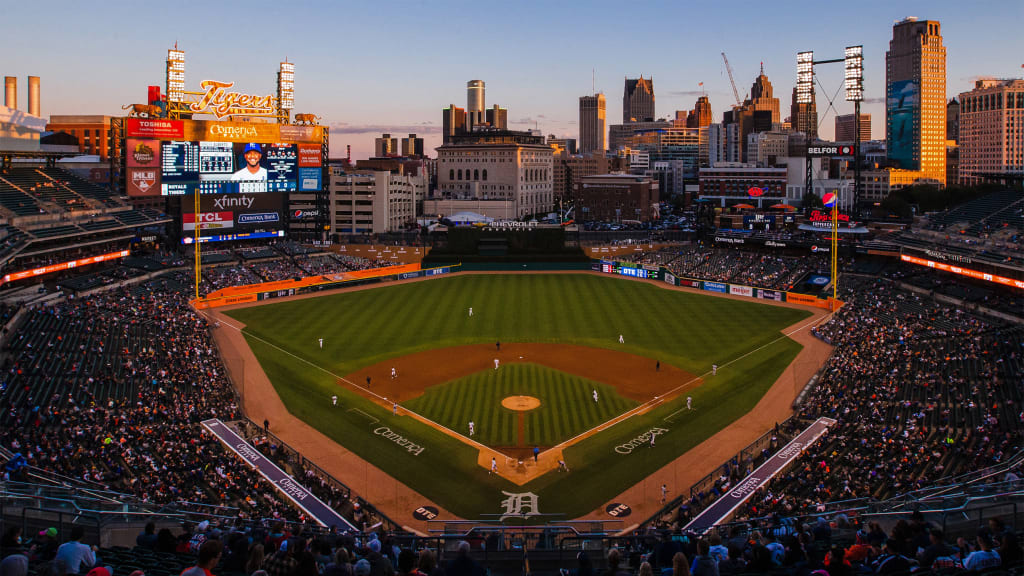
<point x="651" y="272"/>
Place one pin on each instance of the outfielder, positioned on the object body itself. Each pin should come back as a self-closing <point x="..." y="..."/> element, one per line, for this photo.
<point x="595" y="396"/>
<point x="714" y="369"/>
<point x="321" y="343"/>
<point x="689" y="402"/>
<point x="334" y="400"/>
<point x="470" y="311"/>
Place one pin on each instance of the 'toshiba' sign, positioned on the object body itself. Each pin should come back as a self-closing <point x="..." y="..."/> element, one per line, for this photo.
<point x="218" y="101"/>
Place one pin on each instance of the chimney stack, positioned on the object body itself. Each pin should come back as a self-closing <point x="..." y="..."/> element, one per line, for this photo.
<point x="33" y="95"/>
<point x="11" y="91"/>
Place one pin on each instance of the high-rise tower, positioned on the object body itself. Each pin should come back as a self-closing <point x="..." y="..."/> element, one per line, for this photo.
<point x="475" y="103"/>
<point x="804" y="116"/>
<point x="638" y="100"/>
<point x="593" y="135"/>
<point x="915" y="108"/>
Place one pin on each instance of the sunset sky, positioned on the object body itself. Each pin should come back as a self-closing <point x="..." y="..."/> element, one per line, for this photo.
<point x="377" y="67"/>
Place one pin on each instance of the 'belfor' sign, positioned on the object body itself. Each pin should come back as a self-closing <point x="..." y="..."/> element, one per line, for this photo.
<point x="818" y="151"/>
<point x="218" y="101"/>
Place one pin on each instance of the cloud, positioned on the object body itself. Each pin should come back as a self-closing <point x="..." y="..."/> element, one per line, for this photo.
<point x="877" y="100"/>
<point x="686" y="92"/>
<point x="422" y="128"/>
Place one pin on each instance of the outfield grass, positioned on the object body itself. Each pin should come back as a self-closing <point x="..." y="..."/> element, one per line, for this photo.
<point x="567" y="407"/>
<point x="691" y="331"/>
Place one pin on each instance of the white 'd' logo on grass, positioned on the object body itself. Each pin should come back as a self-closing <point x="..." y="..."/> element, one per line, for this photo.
<point x="521" y="505"/>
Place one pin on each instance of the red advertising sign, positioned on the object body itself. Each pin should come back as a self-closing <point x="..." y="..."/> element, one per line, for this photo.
<point x="964" y="271"/>
<point x="208" y="220"/>
<point x="143" y="181"/>
<point x="156" y="128"/>
<point x="64" y="266"/>
<point x="309" y="155"/>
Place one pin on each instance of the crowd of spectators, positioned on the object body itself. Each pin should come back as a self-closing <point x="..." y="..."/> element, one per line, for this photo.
<point x="110" y="389"/>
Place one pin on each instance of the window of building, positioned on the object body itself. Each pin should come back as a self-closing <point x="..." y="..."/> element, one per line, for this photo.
<point x="476" y="174"/>
<point x="460" y="173"/>
<point x="485" y="174"/>
<point x="451" y="174"/>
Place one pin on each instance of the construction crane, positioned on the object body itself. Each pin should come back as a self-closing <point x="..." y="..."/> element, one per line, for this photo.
<point x="735" y="92"/>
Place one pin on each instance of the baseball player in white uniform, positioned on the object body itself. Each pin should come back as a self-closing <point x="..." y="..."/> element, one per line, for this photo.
<point x="472" y="428"/>
<point x="334" y="400"/>
<point x="494" y="466"/>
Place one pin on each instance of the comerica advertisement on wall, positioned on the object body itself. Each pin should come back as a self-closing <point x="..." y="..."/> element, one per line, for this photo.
<point x="181" y="157"/>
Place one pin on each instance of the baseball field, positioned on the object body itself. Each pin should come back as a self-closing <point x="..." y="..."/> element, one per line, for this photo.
<point x="564" y="385"/>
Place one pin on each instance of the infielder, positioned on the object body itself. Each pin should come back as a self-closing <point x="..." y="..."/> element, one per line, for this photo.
<point x="393" y="373"/>
<point x="621" y="339"/>
<point x="321" y="340"/>
<point x="495" y="363"/>
<point x="494" y="466"/>
<point x="689" y="402"/>
<point x="714" y="369"/>
<point x="472" y="429"/>
<point x="664" y="493"/>
<point x="470" y="311"/>
<point x="595" y="396"/>
<point x="562" y="466"/>
<point x="394" y="408"/>
<point x="334" y="400"/>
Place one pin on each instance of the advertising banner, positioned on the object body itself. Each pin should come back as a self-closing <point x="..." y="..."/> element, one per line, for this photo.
<point x="670" y="279"/>
<point x="801" y="299"/>
<point x="689" y="283"/>
<point x="309" y="155"/>
<point x="770" y="294"/>
<point x="64" y="266"/>
<point x="208" y="221"/>
<point x="142" y="153"/>
<point x="156" y="128"/>
<point x="741" y="290"/>
<point x="247" y="214"/>
<point x="964" y="271"/>
<point x="901" y="106"/>
<point x="309" y="179"/>
<point x="716" y="287"/>
<point x="142" y="182"/>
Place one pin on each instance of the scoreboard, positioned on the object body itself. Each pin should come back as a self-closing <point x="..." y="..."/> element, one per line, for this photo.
<point x="628" y="269"/>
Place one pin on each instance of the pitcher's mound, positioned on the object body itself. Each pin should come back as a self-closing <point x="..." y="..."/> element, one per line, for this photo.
<point x="520" y="403"/>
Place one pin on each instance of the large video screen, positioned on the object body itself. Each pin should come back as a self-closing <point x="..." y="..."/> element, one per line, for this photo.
<point x="181" y="157"/>
<point x="234" y="216"/>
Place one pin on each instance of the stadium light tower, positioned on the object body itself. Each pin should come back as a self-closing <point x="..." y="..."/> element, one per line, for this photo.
<point x="854" y="84"/>
<point x="285" y="90"/>
<point x="175" y="88"/>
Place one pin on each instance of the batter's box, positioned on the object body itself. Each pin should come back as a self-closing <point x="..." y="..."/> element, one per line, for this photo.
<point x="372" y="419"/>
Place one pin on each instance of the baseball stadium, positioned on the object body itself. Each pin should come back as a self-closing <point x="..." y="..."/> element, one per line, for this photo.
<point x="205" y="365"/>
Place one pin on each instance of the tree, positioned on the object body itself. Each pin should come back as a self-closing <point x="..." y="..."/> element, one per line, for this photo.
<point x="894" y="203"/>
<point x="811" y="201"/>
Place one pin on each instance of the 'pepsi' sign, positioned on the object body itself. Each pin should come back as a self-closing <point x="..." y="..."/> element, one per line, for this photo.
<point x="830" y="199"/>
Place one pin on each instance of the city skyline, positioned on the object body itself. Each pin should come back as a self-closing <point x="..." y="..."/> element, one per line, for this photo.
<point x="415" y="72"/>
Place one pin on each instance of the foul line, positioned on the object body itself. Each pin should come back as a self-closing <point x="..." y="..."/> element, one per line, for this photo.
<point x="419" y="417"/>
<point x="595" y="430"/>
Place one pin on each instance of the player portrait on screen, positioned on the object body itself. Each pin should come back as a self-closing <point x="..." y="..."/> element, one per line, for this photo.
<point x="252" y="171"/>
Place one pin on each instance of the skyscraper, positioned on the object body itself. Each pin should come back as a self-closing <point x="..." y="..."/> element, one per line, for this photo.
<point x="953" y="120"/>
<point x="593" y="135"/>
<point x="638" y="100"/>
<point x="915" y="109"/>
<point x="497" y="117"/>
<point x="762" y="96"/>
<point x="700" y="116"/>
<point x="453" y="122"/>
<point x="846" y="128"/>
<point x="804" y="116"/>
<point x="990" y="118"/>
<point x="385" y="146"/>
<point x="475" y="103"/>
<point x="412" y="146"/>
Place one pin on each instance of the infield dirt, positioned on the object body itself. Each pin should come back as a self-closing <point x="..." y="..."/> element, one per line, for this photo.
<point x="398" y="500"/>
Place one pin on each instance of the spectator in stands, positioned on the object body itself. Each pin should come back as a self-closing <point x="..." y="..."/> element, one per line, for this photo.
<point x="704" y="564"/>
<point x="1009" y="549"/>
<point x="380" y="565"/>
<point x="680" y="565"/>
<point x="14" y="565"/>
<point x="891" y="561"/>
<point x="614" y="559"/>
<point x="147" y="539"/>
<point x="165" y="541"/>
<point x="645" y="569"/>
<point x="836" y="564"/>
<point x="428" y="563"/>
<point x="407" y="563"/>
<point x="254" y="559"/>
<point x="462" y="564"/>
<point x="209" y="556"/>
<point x="733" y="563"/>
<point x="283" y="562"/>
<point x="76" y="555"/>
<point x="983" y="557"/>
<point x="12" y="541"/>
<point x="938" y="552"/>
<point x="44" y="545"/>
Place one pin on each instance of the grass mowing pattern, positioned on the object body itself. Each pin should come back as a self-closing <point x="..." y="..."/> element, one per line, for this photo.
<point x="567" y="406"/>
<point x="689" y="330"/>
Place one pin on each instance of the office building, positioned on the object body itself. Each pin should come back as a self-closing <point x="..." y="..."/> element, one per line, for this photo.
<point x="803" y="117"/>
<point x="915" y="110"/>
<point x="568" y="169"/>
<point x="593" y="134"/>
<point x="497" y="117"/>
<point x="502" y="174"/>
<point x="453" y="121"/>
<point x="559" y="145"/>
<point x="762" y="97"/>
<point x="616" y="198"/>
<point x="700" y="116"/>
<point x="412" y="146"/>
<point x="638" y="100"/>
<point x="362" y="201"/>
<point x="767" y="149"/>
<point x="92" y="131"/>
<point x="619" y="134"/>
<point x="385" y="146"/>
<point x="953" y="121"/>
<point x="991" y="131"/>
<point x="475" y="104"/>
<point x="846" y="128"/>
